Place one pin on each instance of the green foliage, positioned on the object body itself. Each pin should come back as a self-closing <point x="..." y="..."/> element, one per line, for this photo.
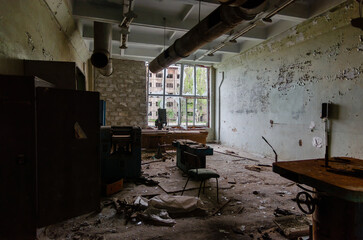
<point x="188" y="80"/>
<point x="201" y="81"/>
<point x="170" y="113"/>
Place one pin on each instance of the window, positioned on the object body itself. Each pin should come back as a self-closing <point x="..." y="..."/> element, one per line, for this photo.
<point x="150" y="74"/>
<point x="150" y="113"/>
<point x="150" y="104"/>
<point x="184" y="97"/>
<point x="150" y="84"/>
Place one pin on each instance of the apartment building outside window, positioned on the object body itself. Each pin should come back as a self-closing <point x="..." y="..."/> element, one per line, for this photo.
<point x="184" y="92"/>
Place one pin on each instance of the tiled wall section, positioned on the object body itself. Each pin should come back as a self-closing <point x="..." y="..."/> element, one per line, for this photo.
<point x="125" y="93"/>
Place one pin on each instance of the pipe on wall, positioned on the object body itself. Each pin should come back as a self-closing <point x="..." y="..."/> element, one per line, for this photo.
<point x="219" y="109"/>
<point x="222" y="20"/>
<point x="102" y="45"/>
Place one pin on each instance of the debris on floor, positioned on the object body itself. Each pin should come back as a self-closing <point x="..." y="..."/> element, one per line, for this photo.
<point x="293" y="226"/>
<point x="150" y="207"/>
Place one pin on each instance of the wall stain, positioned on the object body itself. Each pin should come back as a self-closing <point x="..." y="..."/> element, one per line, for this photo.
<point x="30" y="41"/>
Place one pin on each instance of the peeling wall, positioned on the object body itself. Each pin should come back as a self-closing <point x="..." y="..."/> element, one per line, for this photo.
<point x="276" y="90"/>
<point x="125" y="93"/>
<point x="39" y="30"/>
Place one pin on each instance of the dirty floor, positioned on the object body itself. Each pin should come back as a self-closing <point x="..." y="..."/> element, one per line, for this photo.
<point x="249" y="194"/>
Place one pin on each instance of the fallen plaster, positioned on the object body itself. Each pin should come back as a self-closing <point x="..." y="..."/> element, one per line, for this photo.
<point x="249" y="196"/>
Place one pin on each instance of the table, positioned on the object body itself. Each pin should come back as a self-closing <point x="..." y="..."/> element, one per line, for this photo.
<point x="339" y="198"/>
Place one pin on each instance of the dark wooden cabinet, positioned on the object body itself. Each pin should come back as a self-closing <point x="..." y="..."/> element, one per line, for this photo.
<point x="65" y="75"/>
<point x="49" y="148"/>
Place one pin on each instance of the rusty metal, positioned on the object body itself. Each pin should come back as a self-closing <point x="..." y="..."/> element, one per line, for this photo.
<point x="220" y="21"/>
<point x="305" y="202"/>
<point x="270" y="147"/>
<point x="102" y="44"/>
<point x="338" y="210"/>
<point x="314" y="174"/>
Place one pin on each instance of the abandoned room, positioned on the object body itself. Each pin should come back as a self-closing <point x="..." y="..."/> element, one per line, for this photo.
<point x="181" y="119"/>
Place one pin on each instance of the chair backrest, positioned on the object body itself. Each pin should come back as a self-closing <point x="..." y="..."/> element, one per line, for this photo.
<point x="192" y="161"/>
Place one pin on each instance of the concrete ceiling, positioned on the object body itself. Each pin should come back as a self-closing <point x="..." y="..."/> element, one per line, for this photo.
<point x="149" y="31"/>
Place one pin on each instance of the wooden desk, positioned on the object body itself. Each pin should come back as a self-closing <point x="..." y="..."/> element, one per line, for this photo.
<point x="150" y="138"/>
<point x="313" y="173"/>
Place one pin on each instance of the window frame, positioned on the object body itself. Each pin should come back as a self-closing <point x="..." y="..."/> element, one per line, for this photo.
<point x="184" y="97"/>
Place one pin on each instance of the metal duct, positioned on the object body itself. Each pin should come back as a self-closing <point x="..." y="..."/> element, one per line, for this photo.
<point x="108" y="70"/>
<point x="102" y="44"/>
<point x="220" y="21"/>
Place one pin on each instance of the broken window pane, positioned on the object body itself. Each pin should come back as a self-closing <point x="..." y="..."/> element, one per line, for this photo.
<point x="155" y="102"/>
<point x="201" y="112"/>
<point x="188" y="80"/>
<point x="202" y="81"/>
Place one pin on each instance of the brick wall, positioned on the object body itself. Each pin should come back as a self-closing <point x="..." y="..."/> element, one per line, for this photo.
<point x="125" y="93"/>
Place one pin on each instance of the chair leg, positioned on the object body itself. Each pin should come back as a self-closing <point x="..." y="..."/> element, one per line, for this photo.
<point x="217" y="190"/>
<point x="185" y="186"/>
<point x="200" y="187"/>
<point x="203" y="186"/>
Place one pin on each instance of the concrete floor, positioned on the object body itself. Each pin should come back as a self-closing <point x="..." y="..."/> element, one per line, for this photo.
<point x="253" y="198"/>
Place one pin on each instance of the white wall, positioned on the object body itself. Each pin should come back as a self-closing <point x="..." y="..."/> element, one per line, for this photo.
<point x="286" y="79"/>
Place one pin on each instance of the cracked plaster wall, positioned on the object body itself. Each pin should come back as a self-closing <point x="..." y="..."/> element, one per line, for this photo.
<point x="39" y="30"/>
<point x="285" y="79"/>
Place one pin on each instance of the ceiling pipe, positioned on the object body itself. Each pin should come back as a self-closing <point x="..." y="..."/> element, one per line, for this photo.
<point x="220" y="21"/>
<point x="102" y="44"/>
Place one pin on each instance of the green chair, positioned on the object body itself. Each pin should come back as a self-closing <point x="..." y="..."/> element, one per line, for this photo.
<point x="201" y="174"/>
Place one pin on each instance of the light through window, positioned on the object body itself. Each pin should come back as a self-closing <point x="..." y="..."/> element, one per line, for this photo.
<point x="183" y="90"/>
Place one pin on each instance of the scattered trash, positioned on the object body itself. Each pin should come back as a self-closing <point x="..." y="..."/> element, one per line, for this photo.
<point x="142" y="202"/>
<point x="283" y="193"/>
<point x="293" y="226"/>
<point x="223" y="231"/>
<point x="239" y="229"/>
<point x="282" y="212"/>
<point x="145" y="181"/>
<point x="158" y="217"/>
<point x="261" y="207"/>
<point x="232" y="182"/>
<point x="223" y="206"/>
<point x="253" y="168"/>
<point x="176" y="204"/>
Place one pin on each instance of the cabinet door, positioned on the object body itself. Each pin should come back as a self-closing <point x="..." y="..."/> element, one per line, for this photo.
<point x="68" y="154"/>
<point x="17" y="161"/>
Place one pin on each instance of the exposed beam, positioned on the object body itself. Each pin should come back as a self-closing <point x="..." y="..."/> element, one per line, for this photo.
<point x="321" y="6"/>
<point x="139" y="40"/>
<point x="171" y="34"/>
<point x="186" y="12"/>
